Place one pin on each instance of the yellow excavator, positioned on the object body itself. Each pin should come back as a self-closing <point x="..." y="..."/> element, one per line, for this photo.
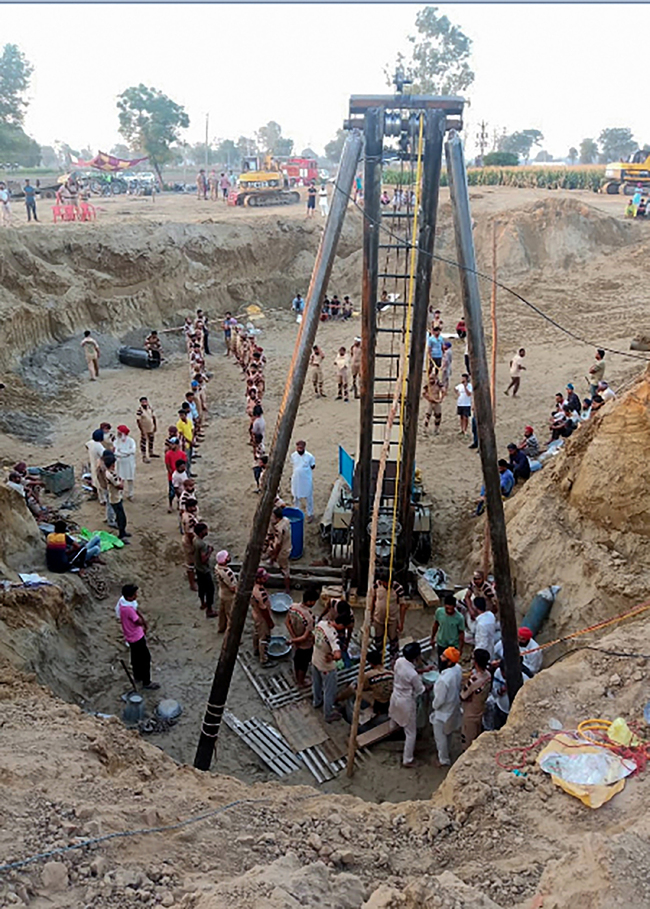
<point x="263" y="185"/>
<point x="625" y="176"/>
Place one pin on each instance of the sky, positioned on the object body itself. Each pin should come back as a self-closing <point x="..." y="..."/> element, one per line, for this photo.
<point x="560" y="68"/>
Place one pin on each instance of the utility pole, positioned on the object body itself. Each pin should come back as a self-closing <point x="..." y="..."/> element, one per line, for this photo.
<point x="462" y="220"/>
<point x="482" y="138"/>
<point x="279" y="448"/>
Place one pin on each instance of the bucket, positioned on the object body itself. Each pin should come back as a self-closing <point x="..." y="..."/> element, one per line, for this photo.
<point x="134" y="709"/>
<point x="297" y="521"/>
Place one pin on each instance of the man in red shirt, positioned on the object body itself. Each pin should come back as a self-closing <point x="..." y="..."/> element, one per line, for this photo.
<point x="134" y="628"/>
<point x="172" y="456"/>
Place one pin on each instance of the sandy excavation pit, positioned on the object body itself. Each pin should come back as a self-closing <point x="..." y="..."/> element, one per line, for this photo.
<point x="569" y="253"/>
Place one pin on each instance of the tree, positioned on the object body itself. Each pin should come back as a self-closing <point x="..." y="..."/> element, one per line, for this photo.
<point x="440" y="52"/>
<point x="246" y="146"/>
<point x="268" y="135"/>
<point x="283" y="147"/>
<point x="151" y="121"/>
<point x="573" y="154"/>
<point x="334" y="148"/>
<point x="588" y="151"/>
<point x="50" y="158"/>
<point x="543" y="156"/>
<point x="617" y="144"/>
<point x="120" y="150"/>
<point x="226" y="153"/>
<point x="308" y="153"/>
<point x="270" y="140"/>
<point x="15" y="73"/>
<point x="520" y="143"/>
<point x="500" y="159"/>
<point x="16" y="147"/>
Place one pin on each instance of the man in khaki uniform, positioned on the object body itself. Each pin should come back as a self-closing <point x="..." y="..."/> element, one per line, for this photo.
<point x="315" y="361"/>
<point x="355" y="364"/>
<point x="262" y="621"/>
<point x="434" y="392"/>
<point x="281" y="549"/>
<point x="146" y="420"/>
<point x="115" y="486"/>
<point x="189" y="519"/>
<point x="90" y="348"/>
<point x="394" y="603"/>
<point x="342" y="363"/>
<point x="227" y="580"/>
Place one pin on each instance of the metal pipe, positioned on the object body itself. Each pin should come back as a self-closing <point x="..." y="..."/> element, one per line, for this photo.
<point x="279" y="448"/>
<point x="434" y="133"/>
<point x="462" y="219"/>
<point x="374" y="137"/>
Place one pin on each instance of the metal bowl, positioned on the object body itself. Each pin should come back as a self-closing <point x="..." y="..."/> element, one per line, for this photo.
<point x="280" y="602"/>
<point x="278" y="647"/>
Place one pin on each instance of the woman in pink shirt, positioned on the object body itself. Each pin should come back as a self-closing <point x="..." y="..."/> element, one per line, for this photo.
<point x="134" y="628"/>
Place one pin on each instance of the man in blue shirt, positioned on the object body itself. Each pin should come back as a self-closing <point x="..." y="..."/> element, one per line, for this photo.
<point x="519" y="464"/>
<point x="434" y="343"/>
<point x="507" y="485"/>
<point x="30" y="200"/>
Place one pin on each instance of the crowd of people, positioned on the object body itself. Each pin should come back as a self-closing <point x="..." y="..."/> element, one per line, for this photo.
<point x="467" y="702"/>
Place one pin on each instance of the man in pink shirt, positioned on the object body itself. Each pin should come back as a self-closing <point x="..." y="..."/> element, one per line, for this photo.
<point x="134" y="628"/>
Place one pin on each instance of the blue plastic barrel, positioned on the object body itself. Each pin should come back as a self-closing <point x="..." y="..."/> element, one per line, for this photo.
<point x="297" y="520"/>
<point x="540" y="608"/>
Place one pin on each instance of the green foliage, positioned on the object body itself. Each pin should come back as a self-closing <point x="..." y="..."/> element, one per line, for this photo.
<point x="151" y="121"/>
<point x="270" y="139"/>
<point x="589" y="178"/>
<point x="246" y="146"/>
<point x="308" y="153"/>
<point x="520" y="143"/>
<point x="588" y="151"/>
<point x="121" y="151"/>
<point x="15" y="73"/>
<point x="334" y="148"/>
<point x="283" y="147"/>
<point x="439" y="61"/>
<point x="573" y="154"/>
<point x="226" y="153"/>
<point x="16" y="147"/>
<point x="617" y="144"/>
<point x="501" y="159"/>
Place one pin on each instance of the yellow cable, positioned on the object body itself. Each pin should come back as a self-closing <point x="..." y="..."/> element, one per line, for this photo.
<point x="407" y="334"/>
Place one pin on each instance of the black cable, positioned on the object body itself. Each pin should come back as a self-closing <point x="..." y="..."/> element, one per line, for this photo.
<point x="121" y="834"/>
<point x="491" y="280"/>
<point x="614" y="653"/>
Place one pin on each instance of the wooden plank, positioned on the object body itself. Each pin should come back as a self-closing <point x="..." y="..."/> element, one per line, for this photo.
<point x="300" y="726"/>
<point x="374" y="735"/>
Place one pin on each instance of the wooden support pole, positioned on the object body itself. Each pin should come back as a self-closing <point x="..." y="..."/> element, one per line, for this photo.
<point x="493" y="376"/>
<point x="279" y="448"/>
<point x="462" y="220"/>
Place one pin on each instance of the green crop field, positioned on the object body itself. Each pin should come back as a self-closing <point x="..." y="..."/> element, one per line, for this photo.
<point x="525" y="177"/>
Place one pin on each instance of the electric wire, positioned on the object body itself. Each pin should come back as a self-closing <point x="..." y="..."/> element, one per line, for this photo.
<point x="123" y="834"/>
<point x="536" y="309"/>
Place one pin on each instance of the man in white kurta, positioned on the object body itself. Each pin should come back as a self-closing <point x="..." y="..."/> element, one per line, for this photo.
<point x="125" y="454"/>
<point x="445" y="714"/>
<point x="302" y="480"/>
<point x="407" y="685"/>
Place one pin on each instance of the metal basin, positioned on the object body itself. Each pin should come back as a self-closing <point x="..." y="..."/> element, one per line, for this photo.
<point x="280" y="602"/>
<point x="278" y="647"/>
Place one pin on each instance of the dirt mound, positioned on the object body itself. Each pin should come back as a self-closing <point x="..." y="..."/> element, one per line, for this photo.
<point x="20" y="539"/>
<point x="114" y="278"/>
<point x="488" y="838"/>
<point x="582" y="521"/>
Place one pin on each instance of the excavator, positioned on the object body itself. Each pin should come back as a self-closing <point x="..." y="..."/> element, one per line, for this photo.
<point x="625" y="176"/>
<point x="263" y="185"/>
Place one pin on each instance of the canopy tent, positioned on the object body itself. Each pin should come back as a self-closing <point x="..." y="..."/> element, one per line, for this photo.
<point x="109" y="164"/>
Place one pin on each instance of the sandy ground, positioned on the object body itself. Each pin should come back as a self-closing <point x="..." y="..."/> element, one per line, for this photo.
<point x="549" y="250"/>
